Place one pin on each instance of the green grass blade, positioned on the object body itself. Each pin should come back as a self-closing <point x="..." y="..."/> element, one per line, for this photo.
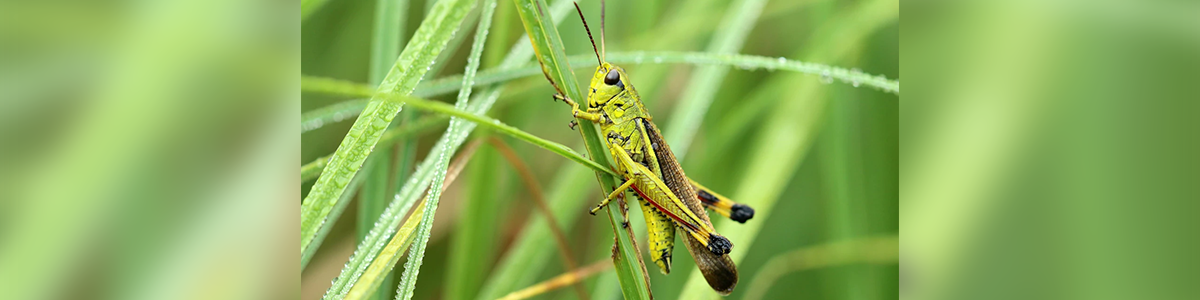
<point x="880" y="250"/>
<point x="408" y="281"/>
<point x="366" y="131"/>
<point x="630" y="269"/>
<point x="442" y="108"/>
<point x="445" y="109"/>
<point x="498" y="75"/>
<point x="471" y="21"/>
<point x="750" y="62"/>
<point x="378" y="272"/>
<point x="306" y="257"/>
<point x="791" y="128"/>
<point x="705" y="81"/>
<point x="580" y="62"/>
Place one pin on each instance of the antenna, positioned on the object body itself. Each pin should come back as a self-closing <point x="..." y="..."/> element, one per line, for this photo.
<point x="602" y="50"/>
<point x="589" y="32"/>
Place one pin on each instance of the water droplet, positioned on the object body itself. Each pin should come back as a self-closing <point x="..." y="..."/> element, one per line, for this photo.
<point x="826" y="78"/>
<point x="658" y="60"/>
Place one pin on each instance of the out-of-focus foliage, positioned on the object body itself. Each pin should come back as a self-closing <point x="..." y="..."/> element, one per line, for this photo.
<point x="145" y="149"/>
<point x="818" y="156"/>
<point x="1050" y="150"/>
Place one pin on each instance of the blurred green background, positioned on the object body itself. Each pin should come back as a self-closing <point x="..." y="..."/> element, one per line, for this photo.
<point x="1050" y="150"/>
<point x="819" y="160"/>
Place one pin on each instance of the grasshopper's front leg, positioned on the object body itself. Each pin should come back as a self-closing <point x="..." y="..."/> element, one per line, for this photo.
<point x="579" y="113"/>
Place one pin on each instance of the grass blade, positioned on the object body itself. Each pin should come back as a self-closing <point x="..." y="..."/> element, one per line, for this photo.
<point x="306" y="257"/>
<point x="366" y="131"/>
<point x="445" y="109"/>
<point x="881" y="250"/>
<point x="631" y="270"/>
<point x="575" y="276"/>
<point x="382" y="266"/>
<point x="408" y="281"/>
<point x="587" y="61"/>
<point x="705" y="81"/>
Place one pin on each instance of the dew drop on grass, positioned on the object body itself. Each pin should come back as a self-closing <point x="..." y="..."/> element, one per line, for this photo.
<point x="658" y="60"/>
<point x="826" y="78"/>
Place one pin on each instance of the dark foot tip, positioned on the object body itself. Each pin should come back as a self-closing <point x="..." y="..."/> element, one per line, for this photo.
<point x="741" y="213"/>
<point x="719" y="245"/>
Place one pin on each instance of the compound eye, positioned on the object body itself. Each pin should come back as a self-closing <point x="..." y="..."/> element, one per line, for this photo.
<point x="613" y="77"/>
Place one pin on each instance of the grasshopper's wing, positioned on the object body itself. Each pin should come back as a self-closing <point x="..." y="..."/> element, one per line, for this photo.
<point x="732" y="210"/>
<point x="718" y="270"/>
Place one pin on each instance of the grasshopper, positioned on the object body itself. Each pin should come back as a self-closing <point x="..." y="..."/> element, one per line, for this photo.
<point x="670" y="200"/>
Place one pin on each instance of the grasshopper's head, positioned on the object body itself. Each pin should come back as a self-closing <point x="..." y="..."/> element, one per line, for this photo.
<point x="608" y="83"/>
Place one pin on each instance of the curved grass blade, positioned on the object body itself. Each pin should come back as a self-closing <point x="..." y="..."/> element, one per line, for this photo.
<point x="749" y="62"/>
<point x="366" y="131"/>
<point x="502" y="74"/>
<point x="630" y="269"/>
<point x="575" y="276"/>
<point x="442" y="108"/>
<point x="705" y="81"/>
<point x="791" y="127"/>
<point x="742" y="61"/>
<point x="881" y="250"/>
<point x="408" y="280"/>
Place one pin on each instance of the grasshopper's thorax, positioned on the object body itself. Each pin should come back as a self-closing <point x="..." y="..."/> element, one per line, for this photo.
<point x="612" y="96"/>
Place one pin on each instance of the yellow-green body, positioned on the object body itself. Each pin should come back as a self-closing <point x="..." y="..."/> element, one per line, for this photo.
<point x="667" y="196"/>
